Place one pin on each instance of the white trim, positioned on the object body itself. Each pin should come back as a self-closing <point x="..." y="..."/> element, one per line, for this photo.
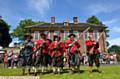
<point x="86" y="35"/>
<point x="66" y="33"/>
<point x="56" y="32"/>
<point x="96" y="33"/>
<point x="76" y="33"/>
<point x="36" y="33"/>
<point x="49" y="35"/>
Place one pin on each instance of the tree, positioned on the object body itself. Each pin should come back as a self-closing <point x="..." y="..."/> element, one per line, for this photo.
<point x="115" y="49"/>
<point x="5" y="38"/>
<point x="94" y="20"/>
<point x="20" y="30"/>
<point x="107" y="43"/>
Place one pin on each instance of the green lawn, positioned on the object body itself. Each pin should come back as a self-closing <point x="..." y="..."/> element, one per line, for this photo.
<point x="109" y="72"/>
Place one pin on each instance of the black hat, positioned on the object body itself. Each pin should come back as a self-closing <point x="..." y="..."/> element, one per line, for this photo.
<point x="56" y="36"/>
<point x="28" y="36"/>
<point x="72" y="35"/>
<point x="42" y="34"/>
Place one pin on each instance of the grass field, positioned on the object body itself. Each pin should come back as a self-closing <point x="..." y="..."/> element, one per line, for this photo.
<point x="109" y="72"/>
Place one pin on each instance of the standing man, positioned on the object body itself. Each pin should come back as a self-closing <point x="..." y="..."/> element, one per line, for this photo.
<point x="73" y="53"/>
<point x="44" y="51"/>
<point x="26" y="53"/>
<point x="6" y="59"/>
<point x="10" y="58"/>
<point x="93" y="53"/>
<point x="38" y="58"/>
<point x="57" y="49"/>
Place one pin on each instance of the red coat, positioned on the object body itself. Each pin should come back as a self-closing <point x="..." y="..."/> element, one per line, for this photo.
<point x="44" y="46"/>
<point x="90" y="44"/>
<point x="38" y="43"/>
<point x="74" y="47"/>
<point x="5" y="57"/>
<point x="57" y="50"/>
<point x="68" y="42"/>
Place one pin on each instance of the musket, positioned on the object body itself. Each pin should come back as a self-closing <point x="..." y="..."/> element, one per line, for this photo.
<point x="78" y="39"/>
<point x="92" y="49"/>
<point x="39" y="48"/>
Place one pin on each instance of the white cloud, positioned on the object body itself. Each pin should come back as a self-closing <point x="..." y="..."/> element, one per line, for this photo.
<point x="41" y="6"/>
<point x="114" y="25"/>
<point x="98" y="8"/>
<point x="116" y="29"/>
<point x="115" y="41"/>
<point x="111" y="22"/>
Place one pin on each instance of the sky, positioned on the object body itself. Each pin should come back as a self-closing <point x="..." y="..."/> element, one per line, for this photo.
<point x="107" y="11"/>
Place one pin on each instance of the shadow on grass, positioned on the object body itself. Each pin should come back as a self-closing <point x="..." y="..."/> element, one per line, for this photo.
<point x="51" y="72"/>
<point x="95" y="70"/>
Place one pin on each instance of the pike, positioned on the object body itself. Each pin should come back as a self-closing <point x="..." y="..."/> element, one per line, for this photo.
<point x="85" y="31"/>
<point x="83" y="37"/>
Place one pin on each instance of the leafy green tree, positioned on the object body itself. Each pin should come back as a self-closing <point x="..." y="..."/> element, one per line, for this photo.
<point x="116" y="49"/>
<point x="107" y="43"/>
<point x="94" y="20"/>
<point x="20" y="30"/>
<point x="5" y="38"/>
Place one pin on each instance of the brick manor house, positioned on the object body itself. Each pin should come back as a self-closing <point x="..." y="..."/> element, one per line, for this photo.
<point x="65" y="28"/>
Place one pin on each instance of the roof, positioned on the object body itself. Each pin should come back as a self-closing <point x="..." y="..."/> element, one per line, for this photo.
<point x="60" y="26"/>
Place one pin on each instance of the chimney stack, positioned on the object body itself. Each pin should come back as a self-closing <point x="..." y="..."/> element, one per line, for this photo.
<point x="75" y="20"/>
<point x="66" y="23"/>
<point x="52" y="20"/>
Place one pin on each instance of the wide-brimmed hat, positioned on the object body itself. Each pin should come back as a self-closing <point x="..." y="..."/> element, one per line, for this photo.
<point x="42" y="34"/>
<point x="56" y="36"/>
<point x="71" y="35"/>
<point x="28" y="36"/>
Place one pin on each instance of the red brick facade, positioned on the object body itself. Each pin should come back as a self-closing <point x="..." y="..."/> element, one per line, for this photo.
<point x="51" y="29"/>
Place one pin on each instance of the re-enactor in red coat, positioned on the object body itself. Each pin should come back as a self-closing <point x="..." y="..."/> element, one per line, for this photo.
<point x="93" y="53"/>
<point x="43" y="43"/>
<point x="73" y="52"/>
<point x="57" y="50"/>
<point x="42" y="55"/>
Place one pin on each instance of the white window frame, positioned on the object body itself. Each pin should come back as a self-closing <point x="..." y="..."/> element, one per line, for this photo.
<point x="96" y="33"/>
<point x="86" y="34"/>
<point x="66" y="33"/>
<point x="56" y="32"/>
<point x="76" y="33"/>
<point x="36" y="33"/>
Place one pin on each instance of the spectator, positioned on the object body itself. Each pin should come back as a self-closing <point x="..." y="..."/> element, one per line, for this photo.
<point x="5" y="59"/>
<point x="10" y="54"/>
<point x="15" y="60"/>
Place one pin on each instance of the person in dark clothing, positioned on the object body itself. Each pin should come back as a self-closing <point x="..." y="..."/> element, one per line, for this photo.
<point x="93" y="53"/>
<point x="26" y="53"/>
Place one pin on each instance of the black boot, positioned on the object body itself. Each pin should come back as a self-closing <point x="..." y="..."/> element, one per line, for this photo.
<point x="23" y="70"/>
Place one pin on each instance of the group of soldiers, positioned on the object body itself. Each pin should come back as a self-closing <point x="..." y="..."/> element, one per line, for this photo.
<point x="55" y="54"/>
